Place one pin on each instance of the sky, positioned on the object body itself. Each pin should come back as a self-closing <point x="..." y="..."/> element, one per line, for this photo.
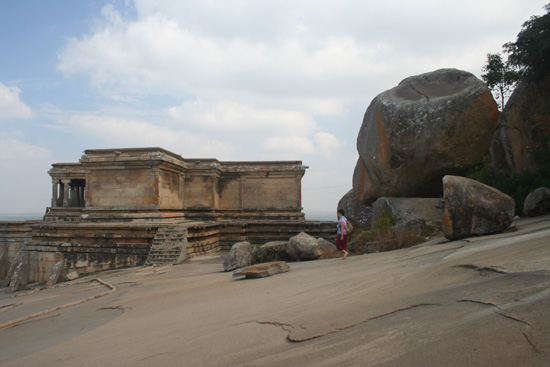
<point x="227" y="79"/>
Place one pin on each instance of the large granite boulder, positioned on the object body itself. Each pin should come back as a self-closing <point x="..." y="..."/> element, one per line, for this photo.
<point x="272" y="251"/>
<point x="523" y="125"/>
<point x="472" y="208"/>
<point x="419" y="215"/>
<point x="238" y="257"/>
<point x="429" y="126"/>
<point x="303" y="247"/>
<point x="537" y="202"/>
<point x="357" y="213"/>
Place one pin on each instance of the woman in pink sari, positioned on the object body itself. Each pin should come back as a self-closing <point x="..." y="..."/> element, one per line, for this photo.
<point x="342" y="234"/>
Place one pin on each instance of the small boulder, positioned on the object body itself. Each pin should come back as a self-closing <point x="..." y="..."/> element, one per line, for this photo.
<point x="272" y="251"/>
<point x="239" y="256"/>
<point x="303" y="247"/>
<point x="537" y="202"/>
<point x="472" y="208"/>
<point x="262" y="270"/>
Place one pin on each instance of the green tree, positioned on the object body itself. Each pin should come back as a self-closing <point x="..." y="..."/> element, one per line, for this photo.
<point x="531" y="51"/>
<point x="500" y="77"/>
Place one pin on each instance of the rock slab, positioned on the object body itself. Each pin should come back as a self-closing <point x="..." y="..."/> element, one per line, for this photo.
<point x="262" y="270"/>
<point x="473" y="209"/>
<point x="430" y="125"/>
<point x="537" y="202"/>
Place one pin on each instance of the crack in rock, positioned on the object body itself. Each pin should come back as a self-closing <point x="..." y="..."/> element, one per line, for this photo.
<point x="501" y="312"/>
<point x="285" y="327"/>
<point x="119" y="308"/>
<point x="482" y="271"/>
<point x="417" y="91"/>
<point x="289" y="328"/>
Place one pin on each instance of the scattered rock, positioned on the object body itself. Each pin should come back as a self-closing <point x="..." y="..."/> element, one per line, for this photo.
<point x="72" y="275"/>
<point x="429" y="126"/>
<point x="18" y="273"/>
<point x="239" y="256"/>
<point x="472" y="208"/>
<point x="272" y="251"/>
<point x="537" y="202"/>
<point x="262" y="270"/>
<point x="303" y="247"/>
<point x="357" y="213"/>
<point x="419" y="215"/>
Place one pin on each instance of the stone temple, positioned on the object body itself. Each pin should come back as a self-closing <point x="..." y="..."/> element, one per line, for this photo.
<point x="128" y="207"/>
<point x="155" y="184"/>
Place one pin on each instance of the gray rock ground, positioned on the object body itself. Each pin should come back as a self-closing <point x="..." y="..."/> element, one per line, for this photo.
<point x="480" y="301"/>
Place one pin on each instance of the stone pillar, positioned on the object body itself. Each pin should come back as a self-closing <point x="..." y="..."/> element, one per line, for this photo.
<point x="241" y="199"/>
<point x="66" y="188"/>
<point x="181" y="191"/>
<point x="215" y="194"/>
<point x="54" y="193"/>
<point x="81" y="196"/>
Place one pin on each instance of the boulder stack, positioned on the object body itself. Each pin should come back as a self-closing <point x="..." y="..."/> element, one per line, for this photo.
<point x="429" y="126"/>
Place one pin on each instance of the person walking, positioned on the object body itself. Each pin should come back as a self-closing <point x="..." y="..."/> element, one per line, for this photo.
<point x="342" y="234"/>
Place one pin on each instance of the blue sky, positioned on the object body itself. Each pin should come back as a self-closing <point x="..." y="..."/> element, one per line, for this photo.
<point x="232" y="80"/>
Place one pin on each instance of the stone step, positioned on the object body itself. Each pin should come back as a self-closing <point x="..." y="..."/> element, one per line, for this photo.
<point x="169" y="246"/>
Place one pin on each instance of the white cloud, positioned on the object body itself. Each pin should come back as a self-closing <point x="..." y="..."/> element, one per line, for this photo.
<point x="11" y="106"/>
<point x="237" y="119"/>
<point x="157" y="54"/>
<point x="327" y="143"/>
<point x="13" y="149"/>
<point x="232" y="62"/>
<point x="287" y="146"/>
